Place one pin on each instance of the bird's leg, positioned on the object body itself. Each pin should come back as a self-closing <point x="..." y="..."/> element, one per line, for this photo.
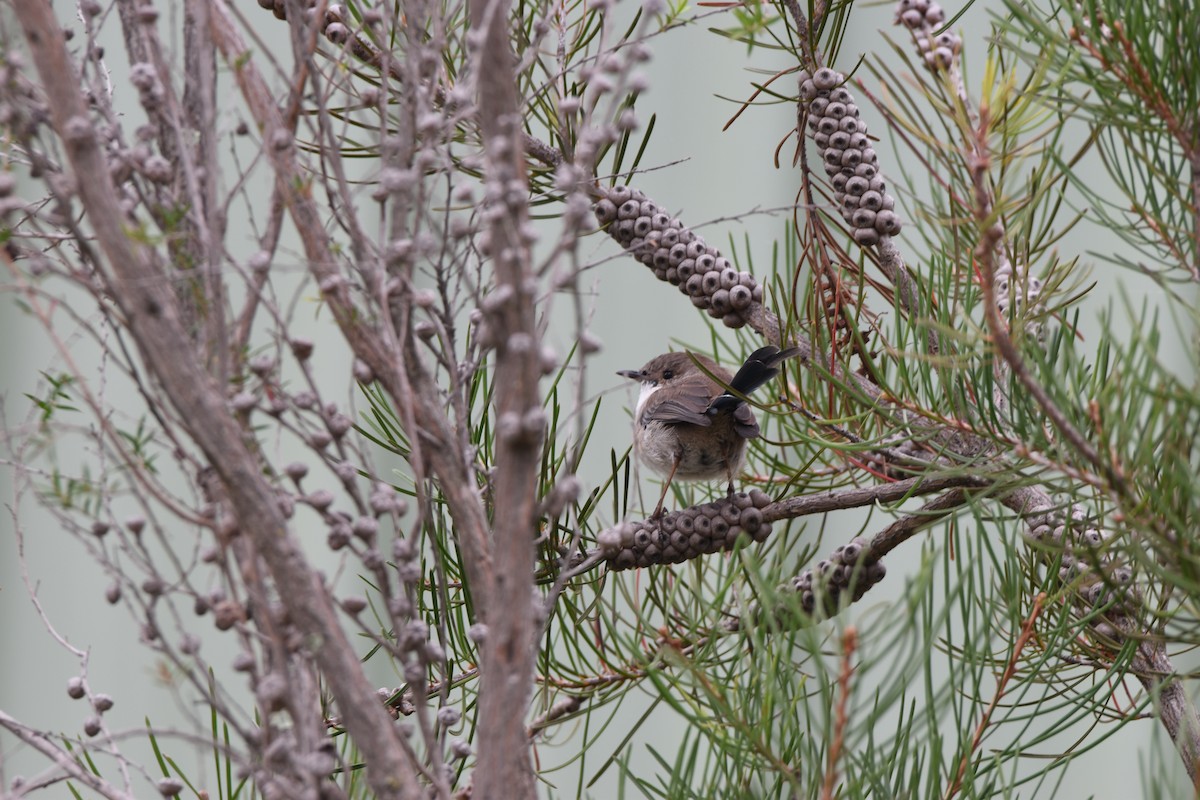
<point x="658" y="511"/>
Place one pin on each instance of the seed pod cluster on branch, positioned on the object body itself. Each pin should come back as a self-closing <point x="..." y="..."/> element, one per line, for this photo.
<point x="279" y="7"/>
<point x="333" y="24"/>
<point x="677" y="255"/>
<point x="835" y="125"/>
<point x="846" y="570"/>
<point x="922" y="18"/>
<point x="1101" y="574"/>
<point x="686" y="534"/>
<point x="1019" y="289"/>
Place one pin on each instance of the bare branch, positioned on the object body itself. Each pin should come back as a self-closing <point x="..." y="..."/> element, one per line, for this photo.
<point x="504" y="768"/>
<point x="70" y="765"/>
<point x="153" y="318"/>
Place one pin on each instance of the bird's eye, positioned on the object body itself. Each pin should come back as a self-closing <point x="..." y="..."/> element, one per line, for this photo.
<point x="668" y="374"/>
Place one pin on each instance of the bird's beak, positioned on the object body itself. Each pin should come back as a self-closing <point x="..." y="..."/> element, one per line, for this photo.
<point x="632" y="374"/>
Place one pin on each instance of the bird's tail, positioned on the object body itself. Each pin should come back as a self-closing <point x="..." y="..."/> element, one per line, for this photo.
<point x="760" y="367"/>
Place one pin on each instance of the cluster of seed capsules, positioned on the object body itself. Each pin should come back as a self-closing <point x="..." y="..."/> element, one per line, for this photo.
<point x="332" y="24"/>
<point x="1082" y="548"/>
<point x="850" y="162"/>
<point x="279" y="7"/>
<point x="677" y="255"/>
<point x="686" y="534"/>
<point x="1028" y="287"/>
<point x="1100" y="574"/>
<point x="922" y="18"/>
<point x="847" y="570"/>
<point x="1019" y="289"/>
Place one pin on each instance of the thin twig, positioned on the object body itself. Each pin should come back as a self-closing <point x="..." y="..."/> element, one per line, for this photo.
<point x="1009" y="670"/>
<point x="71" y="765"/>
<point x="841" y="715"/>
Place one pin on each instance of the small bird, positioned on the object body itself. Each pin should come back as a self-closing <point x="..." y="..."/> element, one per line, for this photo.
<point x="694" y="427"/>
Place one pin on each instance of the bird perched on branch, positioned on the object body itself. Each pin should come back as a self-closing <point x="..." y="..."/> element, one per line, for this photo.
<point x="692" y="419"/>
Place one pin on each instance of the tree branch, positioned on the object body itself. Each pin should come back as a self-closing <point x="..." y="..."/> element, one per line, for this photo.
<point x="504" y="769"/>
<point x="153" y="317"/>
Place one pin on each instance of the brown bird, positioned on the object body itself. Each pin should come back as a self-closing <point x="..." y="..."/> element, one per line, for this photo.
<point x="693" y="427"/>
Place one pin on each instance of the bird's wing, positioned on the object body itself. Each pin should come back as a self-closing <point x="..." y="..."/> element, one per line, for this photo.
<point x="687" y="406"/>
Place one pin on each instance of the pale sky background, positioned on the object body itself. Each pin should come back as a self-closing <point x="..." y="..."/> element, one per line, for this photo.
<point x="723" y="174"/>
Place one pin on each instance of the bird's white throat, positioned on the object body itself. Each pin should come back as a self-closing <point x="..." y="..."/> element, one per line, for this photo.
<point x="648" y="388"/>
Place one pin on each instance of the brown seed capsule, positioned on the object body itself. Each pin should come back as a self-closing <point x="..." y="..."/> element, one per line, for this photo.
<point x="866" y="170"/>
<point x="863" y="218"/>
<point x="619" y="194"/>
<point x="605" y="211"/>
<point x="740" y="297"/>
<point x="857" y="185"/>
<point x="840" y="139"/>
<point x="761" y="533"/>
<point x="851" y="552"/>
<point x="750" y="519"/>
<point x="171" y="787"/>
<point x="887" y="222"/>
<point x="826" y="78"/>
<point x="677" y="254"/>
<point x="867" y="237"/>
